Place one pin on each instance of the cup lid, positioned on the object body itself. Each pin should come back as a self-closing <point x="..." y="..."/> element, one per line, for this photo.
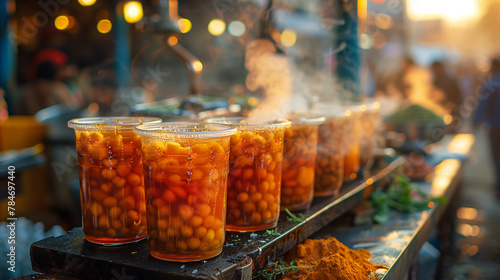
<point x="185" y="130"/>
<point x="110" y="122"/>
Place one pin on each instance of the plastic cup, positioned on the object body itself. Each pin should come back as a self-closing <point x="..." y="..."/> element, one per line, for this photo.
<point x="111" y="181"/>
<point x="299" y="160"/>
<point x="351" y="142"/>
<point x="329" y="171"/>
<point x="255" y="173"/>
<point x="369" y="125"/>
<point x="186" y="169"/>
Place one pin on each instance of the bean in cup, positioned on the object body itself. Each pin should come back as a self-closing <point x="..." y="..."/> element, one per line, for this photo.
<point x="185" y="169"/>
<point x="111" y="179"/>
<point x="254" y="186"/>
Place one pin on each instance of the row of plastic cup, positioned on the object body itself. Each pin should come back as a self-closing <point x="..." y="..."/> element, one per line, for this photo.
<point x="182" y="178"/>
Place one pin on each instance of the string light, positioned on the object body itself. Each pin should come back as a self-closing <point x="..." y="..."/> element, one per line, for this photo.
<point x="61" y="22"/>
<point x="216" y="27"/>
<point x="184" y="25"/>
<point x="86" y="2"/>
<point x="132" y="11"/>
<point x="236" y="28"/>
<point x="288" y="37"/>
<point x="104" y="26"/>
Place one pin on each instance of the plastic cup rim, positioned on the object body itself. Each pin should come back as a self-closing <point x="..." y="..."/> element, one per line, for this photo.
<point x="96" y="123"/>
<point x="236" y="122"/>
<point x="185" y="130"/>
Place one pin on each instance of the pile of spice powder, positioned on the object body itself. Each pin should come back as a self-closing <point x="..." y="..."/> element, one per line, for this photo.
<point x="331" y="260"/>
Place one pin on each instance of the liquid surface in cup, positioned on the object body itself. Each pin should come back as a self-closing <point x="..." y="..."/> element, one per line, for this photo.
<point x="186" y="193"/>
<point x="112" y="189"/>
<point x="300" y="145"/>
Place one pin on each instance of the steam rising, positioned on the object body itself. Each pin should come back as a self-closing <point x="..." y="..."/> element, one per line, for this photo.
<point x="271" y="72"/>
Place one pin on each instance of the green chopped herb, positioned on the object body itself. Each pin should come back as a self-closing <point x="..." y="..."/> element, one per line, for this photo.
<point x="279" y="268"/>
<point x="272" y="232"/>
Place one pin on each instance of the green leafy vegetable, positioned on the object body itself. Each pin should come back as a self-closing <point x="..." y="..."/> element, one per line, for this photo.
<point x="295" y="219"/>
<point x="402" y="196"/>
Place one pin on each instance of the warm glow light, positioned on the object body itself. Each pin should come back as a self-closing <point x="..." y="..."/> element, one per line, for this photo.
<point x="430" y="204"/>
<point x="104" y="26"/>
<point x="348" y="112"/>
<point x="216" y="27"/>
<point x="184" y="25"/>
<point x="252" y="101"/>
<point x="197" y="66"/>
<point x="369" y="181"/>
<point x="365" y="41"/>
<point x="86" y="2"/>
<point x="440" y="185"/>
<point x="473" y="250"/>
<point x="383" y="21"/>
<point x="362" y="9"/>
<point x="464" y="229"/>
<point x="453" y="11"/>
<point x="448" y="119"/>
<point x="288" y="37"/>
<point x="467" y="213"/>
<point x="61" y="22"/>
<point x="132" y="11"/>
<point x="461" y="143"/>
<point x="236" y="28"/>
<point x="172" y="40"/>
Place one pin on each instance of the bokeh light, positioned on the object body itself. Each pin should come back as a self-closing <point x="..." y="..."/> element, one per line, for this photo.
<point x="197" y="66"/>
<point x="383" y="21"/>
<point x="288" y="37"/>
<point x="454" y="11"/>
<point x="132" y="11"/>
<point x="172" y="40"/>
<point x="184" y="25"/>
<point x="61" y="22"/>
<point x="236" y="28"/>
<point x="216" y="27"/>
<point x="104" y="26"/>
<point x="86" y="2"/>
<point x="365" y="41"/>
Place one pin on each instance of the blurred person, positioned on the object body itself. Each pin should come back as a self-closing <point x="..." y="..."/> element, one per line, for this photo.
<point x="68" y="74"/>
<point x="488" y="111"/>
<point x="401" y="80"/>
<point x="100" y="84"/>
<point x="452" y="93"/>
<point x="44" y="91"/>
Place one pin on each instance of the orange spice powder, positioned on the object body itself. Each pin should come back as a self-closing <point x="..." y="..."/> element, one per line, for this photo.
<point x="331" y="260"/>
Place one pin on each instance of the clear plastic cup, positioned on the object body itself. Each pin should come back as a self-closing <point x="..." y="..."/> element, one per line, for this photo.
<point x="185" y="169"/>
<point x="255" y="173"/>
<point x="111" y="180"/>
<point x="351" y="142"/>
<point x="370" y="121"/>
<point x="299" y="160"/>
<point x="329" y="170"/>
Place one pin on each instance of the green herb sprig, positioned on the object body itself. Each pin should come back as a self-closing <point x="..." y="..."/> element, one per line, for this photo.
<point x="295" y="219"/>
<point x="272" y="232"/>
<point x="402" y="196"/>
<point x="279" y="268"/>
